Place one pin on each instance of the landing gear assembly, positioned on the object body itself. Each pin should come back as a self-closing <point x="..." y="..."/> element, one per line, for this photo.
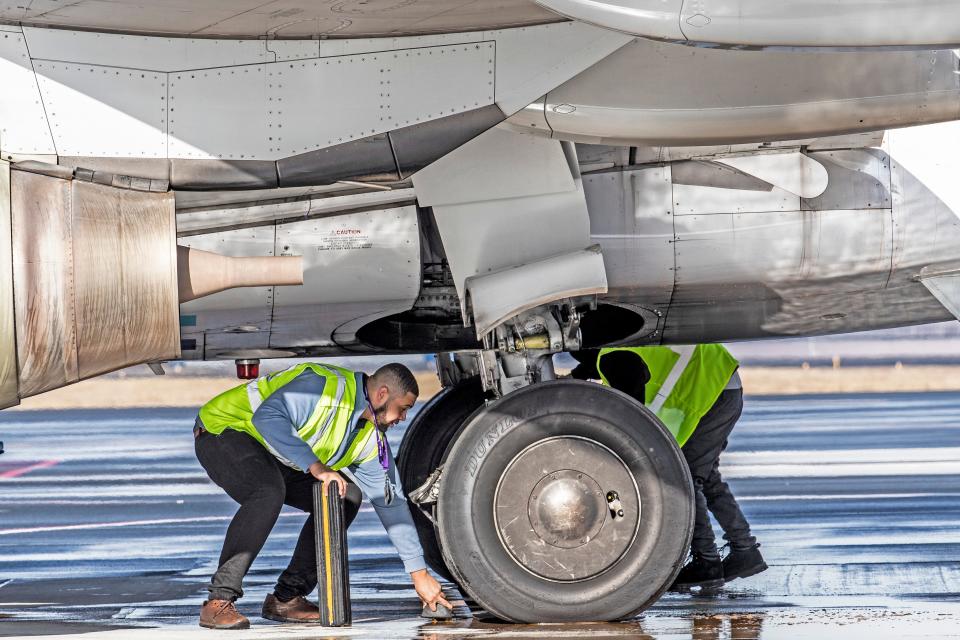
<point x="545" y="500"/>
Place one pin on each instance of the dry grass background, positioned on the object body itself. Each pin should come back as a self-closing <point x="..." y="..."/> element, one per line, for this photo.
<point x="182" y="391"/>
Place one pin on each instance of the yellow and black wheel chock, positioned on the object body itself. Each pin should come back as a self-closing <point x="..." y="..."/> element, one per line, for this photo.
<point x="333" y="573"/>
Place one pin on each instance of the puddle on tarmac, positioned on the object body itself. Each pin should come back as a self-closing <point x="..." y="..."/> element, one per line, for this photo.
<point x="713" y="627"/>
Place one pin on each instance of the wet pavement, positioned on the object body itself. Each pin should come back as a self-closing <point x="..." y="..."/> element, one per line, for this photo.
<point x="110" y="528"/>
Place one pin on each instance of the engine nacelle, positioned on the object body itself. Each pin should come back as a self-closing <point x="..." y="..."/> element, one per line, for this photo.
<point x="92" y="286"/>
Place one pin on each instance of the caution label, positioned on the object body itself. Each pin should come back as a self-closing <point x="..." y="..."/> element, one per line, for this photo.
<point x="345" y="240"/>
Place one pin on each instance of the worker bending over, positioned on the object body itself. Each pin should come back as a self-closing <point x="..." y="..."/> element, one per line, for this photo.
<point x="696" y="392"/>
<point x="266" y="442"/>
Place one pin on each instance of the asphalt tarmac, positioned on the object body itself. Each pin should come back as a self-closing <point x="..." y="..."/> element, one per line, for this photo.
<point x="110" y="528"/>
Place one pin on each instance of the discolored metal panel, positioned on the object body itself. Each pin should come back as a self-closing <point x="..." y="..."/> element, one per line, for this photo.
<point x="43" y="284"/>
<point x="94" y="279"/>
<point x="97" y="241"/>
<point x="125" y="304"/>
<point x="152" y="319"/>
<point x="8" y="343"/>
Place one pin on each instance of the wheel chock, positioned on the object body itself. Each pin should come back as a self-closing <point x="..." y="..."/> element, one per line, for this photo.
<point x="333" y="573"/>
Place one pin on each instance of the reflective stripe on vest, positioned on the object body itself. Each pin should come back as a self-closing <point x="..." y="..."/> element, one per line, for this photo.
<point x="324" y="431"/>
<point x="684" y="383"/>
<point x="671" y="381"/>
<point x="253" y="395"/>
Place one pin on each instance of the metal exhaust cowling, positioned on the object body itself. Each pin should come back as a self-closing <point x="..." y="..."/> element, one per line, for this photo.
<point x="92" y="283"/>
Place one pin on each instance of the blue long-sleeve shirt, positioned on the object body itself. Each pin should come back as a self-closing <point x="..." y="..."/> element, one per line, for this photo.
<point x="279" y="417"/>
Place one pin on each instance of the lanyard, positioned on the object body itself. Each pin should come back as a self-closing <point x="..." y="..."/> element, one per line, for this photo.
<point x="383" y="454"/>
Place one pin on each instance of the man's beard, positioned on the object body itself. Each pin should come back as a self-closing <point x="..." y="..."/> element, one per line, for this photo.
<point x="381" y="416"/>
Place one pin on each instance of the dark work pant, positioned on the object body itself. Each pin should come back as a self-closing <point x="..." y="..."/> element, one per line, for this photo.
<point x="261" y="485"/>
<point x="702" y="452"/>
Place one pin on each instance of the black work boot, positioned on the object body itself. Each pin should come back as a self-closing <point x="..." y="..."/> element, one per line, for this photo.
<point x="743" y="563"/>
<point x="705" y="573"/>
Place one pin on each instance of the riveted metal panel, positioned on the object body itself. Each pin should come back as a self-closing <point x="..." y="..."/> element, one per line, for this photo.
<point x="306" y="102"/>
<point x="23" y="123"/>
<point x="238" y="97"/>
<point x="780" y="248"/>
<point x="434" y="82"/>
<point x="237" y="318"/>
<point x="631" y="218"/>
<point x="8" y="341"/>
<point x="376" y="256"/>
<point x="857" y="179"/>
<point x="43" y="283"/>
<point x="282" y="50"/>
<point x="714" y="248"/>
<point x="105" y="111"/>
<point x="699" y="199"/>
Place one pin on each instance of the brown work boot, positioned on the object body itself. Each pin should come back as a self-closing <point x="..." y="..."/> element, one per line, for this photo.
<point x="297" y="610"/>
<point x="221" y="614"/>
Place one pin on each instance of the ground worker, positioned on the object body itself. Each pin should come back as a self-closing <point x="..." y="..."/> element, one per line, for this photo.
<point x="267" y="442"/>
<point x="696" y="392"/>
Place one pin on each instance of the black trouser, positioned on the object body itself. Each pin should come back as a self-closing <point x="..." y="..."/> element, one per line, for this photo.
<point x="702" y="452"/>
<point x="256" y="480"/>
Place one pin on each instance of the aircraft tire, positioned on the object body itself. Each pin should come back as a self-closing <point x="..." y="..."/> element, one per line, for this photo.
<point x="565" y="501"/>
<point x="422" y="450"/>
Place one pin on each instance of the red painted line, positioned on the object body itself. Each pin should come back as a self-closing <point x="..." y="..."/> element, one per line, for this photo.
<point x="19" y="471"/>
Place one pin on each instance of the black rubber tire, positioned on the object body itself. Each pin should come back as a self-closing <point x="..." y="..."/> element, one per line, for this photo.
<point x="422" y="450"/>
<point x="488" y="442"/>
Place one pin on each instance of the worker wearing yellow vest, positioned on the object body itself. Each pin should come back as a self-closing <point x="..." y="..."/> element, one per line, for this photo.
<point x="267" y="442"/>
<point x="696" y="393"/>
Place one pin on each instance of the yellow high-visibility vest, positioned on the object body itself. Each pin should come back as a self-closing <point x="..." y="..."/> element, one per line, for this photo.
<point x="325" y="429"/>
<point x="684" y="382"/>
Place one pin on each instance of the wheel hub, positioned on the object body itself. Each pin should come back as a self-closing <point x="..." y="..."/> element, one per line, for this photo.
<point x="566" y="508"/>
<point x="554" y="512"/>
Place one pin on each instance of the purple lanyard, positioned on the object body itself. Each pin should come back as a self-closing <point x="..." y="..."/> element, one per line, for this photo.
<point x="382" y="453"/>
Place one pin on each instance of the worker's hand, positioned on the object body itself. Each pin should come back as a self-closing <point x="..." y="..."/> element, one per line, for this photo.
<point x="429" y="590"/>
<point x="325" y="474"/>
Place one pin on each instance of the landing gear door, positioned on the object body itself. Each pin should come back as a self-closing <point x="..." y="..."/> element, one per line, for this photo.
<point x="509" y="207"/>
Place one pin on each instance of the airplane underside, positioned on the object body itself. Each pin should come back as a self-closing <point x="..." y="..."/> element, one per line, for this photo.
<point x="495" y="192"/>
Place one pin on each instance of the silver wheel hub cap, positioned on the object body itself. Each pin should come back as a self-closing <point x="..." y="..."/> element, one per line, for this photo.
<point x="567" y="508"/>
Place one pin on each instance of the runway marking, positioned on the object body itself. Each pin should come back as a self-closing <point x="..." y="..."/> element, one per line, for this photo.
<point x="834" y="470"/>
<point x="19" y="471"/>
<point x="847" y="496"/>
<point x="125" y="523"/>
<point x="824" y="457"/>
